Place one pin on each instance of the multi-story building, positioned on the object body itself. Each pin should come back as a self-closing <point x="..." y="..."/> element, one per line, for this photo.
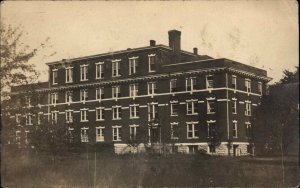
<point x="160" y="93"/>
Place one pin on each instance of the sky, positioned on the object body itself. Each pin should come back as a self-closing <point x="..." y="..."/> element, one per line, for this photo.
<point x="263" y="34"/>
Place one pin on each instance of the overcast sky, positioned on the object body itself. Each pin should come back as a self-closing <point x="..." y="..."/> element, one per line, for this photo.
<point x="263" y="34"/>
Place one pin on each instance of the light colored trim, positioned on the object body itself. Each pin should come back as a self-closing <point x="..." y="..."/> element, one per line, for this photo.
<point x="188" y="62"/>
<point x="222" y="100"/>
<point x="241" y="102"/>
<point x="211" y="121"/>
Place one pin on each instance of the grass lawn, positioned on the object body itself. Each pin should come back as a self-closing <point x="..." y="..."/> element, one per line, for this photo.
<point x="78" y="170"/>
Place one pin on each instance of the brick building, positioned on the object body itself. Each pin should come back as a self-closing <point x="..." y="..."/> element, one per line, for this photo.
<point x="160" y="93"/>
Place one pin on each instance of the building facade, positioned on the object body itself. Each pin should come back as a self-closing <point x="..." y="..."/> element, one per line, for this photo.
<point x="158" y="96"/>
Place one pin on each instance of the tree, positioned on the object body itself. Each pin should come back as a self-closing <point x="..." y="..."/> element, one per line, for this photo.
<point x="277" y="118"/>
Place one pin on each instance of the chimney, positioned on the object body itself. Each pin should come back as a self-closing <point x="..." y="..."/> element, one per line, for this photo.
<point x="195" y="51"/>
<point x="152" y="43"/>
<point x="174" y="40"/>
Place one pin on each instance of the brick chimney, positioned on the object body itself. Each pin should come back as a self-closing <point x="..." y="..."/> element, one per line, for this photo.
<point x="174" y="40"/>
<point x="152" y="43"/>
<point x="195" y="51"/>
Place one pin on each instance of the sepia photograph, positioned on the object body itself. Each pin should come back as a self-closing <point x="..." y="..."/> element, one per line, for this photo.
<point x="99" y="94"/>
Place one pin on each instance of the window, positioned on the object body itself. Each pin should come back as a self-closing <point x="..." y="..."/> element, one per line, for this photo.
<point x="54" y="98"/>
<point x="99" y="134"/>
<point x="248" y="130"/>
<point x="116" y="112"/>
<point x="69" y="116"/>
<point x="248" y="85"/>
<point x="84" y="134"/>
<point x="18" y="118"/>
<point x="39" y="118"/>
<point x="54" y="116"/>
<point x="99" y="93"/>
<point x="190" y="84"/>
<point x="83" y="95"/>
<point x="54" y="76"/>
<point x="174" y="108"/>
<point x="259" y="88"/>
<point x="248" y="108"/>
<point x="26" y="137"/>
<point x="152" y="62"/>
<point x="211" y="107"/>
<point x="116" y="68"/>
<point x="211" y="129"/>
<point x="99" y="70"/>
<point x="133" y="90"/>
<point x="71" y="135"/>
<point x="191" y="107"/>
<point x="133" y="63"/>
<point x="28" y="119"/>
<point x="69" y="74"/>
<point x="115" y="92"/>
<point x="132" y="130"/>
<point x="100" y="114"/>
<point x="234" y="129"/>
<point x="234" y="110"/>
<point x="84" y="115"/>
<point x="192" y="130"/>
<point x="233" y="82"/>
<point x="209" y="81"/>
<point x="193" y="148"/>
<point x="69" y="96"/>
<point x="134" y="111"/>
<point x="27" y="101"/>
<point x="18" y="137"/>
<point x="173" y="85"/>
<point x="116" y="133"/>
<point x="83" y="72"/>
<point x="152" y="111"/>
<point x="174" y="130"/>
<point x="152" y="88"/>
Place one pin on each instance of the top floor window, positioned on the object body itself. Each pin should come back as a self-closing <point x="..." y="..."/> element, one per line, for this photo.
<point x="248" y="85"/>
<point x="116" y="68"/>
<point x="54" y="76"/>
<point x="152" y="89"/>
<point x="259" y="88"/>
<point x="99" y="70"/>
<point x="69" y="74"/>
<point x="54" y="98"/>
<point x="173" y="87"/>
<point x="69" y="96"/>
<point x="233" y="82"/>
<point x="99" y="93"/>
<point x="190" y="84"/>
<point x="133" y="63"/>
<point x="152" y="62"/>
<point x="83" y="72"/>
<point x="209" y="81"/>
<point x="116" y="92"/>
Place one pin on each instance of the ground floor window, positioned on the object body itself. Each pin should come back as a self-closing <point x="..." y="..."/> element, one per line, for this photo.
<point x="117" y="133"/>
<point x="99" y="134"/>
<point x="193" y="149"/>
<point x="84" y="135"/>
<point x="192" y="130"/>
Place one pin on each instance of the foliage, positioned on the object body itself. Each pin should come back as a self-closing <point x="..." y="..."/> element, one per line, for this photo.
<point x="278" y="117"/>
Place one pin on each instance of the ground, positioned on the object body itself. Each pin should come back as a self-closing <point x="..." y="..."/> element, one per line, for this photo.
<point x="30" y="169"/>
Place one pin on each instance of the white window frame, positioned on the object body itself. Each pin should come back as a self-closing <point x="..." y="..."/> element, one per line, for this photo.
<point x="193" y="108"/>
<point x="116" y="132"/>
<point x="69" y="96"/>
<point x="84" y="115"/>
<point x="133" y="90"/>
<point x="100" y="135"/>
<point x="99" y="70"/>
<point x="134" y="111"/>
<point x="152" y="87"/>
<point x="83" y="72"/>
<point x="54" y="75"/>
<point x="18" y="137"/>
<point x="210" y="124"/>
<point x="115" y="92"/>
<point x="115" y="68"/>
<point x="28" y="118"/>
<point x="191" y="82"/>
<point x="18" y="116"/>
<point x="133" y="63"/>
<point x="172" y="103"/>
<point x="53" y="98"/>
<point x="69" y="74"/>
<point x="39" y="118"/>
<point x="132" y="131"/>
<point x="259" y="87"/>
<point x="69" y="116"/>
<point x="247" y="108"/>
<point x="149" y="61"/>
<point x="84" y="136"/>
<point x="233" y="82"/>
<point x="234" y="129"/>
<point x="99" y="93"/>
<point x="173" y="130"/>
<point x="84" y="95"/>
<point x="173" y="85"/>
<point x="210" y="104"/>
<point x="100" y="113"/>
<point x="54" y="116"/>
<point x="193" y="130"/>
<point x="209" y="83"/>
<point x="152" y="107"/>
<point x="248" y="85"/>
<point x="118" y="113"/>
<point x="26" y="137"/>
<point x="234" y="106"/>
<point x="248" y="129"/>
